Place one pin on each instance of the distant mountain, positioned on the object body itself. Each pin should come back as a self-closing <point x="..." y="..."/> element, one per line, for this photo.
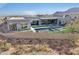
<point x="58" y="12"/>
<point x="74" y="10"/>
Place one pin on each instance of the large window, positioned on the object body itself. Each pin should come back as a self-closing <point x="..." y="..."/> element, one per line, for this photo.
<point x="36" y="22"/>
<point x="49" y="21"/>
<point x="24" y="26"/>
<point x="13" y="27"/>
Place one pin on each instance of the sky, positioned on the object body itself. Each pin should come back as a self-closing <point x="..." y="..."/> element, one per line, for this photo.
<point x="34" y="8"/>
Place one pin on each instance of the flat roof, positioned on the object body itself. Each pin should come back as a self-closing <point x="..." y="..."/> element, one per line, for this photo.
<point x="31" y="18"/>
<point x="16" y="18"/>
<point x="42" y="18"/>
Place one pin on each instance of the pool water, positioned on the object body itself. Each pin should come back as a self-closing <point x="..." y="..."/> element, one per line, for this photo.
<point x="42" y="29"/>
<point x="50" y="29"/>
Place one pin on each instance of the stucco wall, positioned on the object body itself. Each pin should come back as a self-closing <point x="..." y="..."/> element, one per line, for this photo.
<point x="3" y="27"/>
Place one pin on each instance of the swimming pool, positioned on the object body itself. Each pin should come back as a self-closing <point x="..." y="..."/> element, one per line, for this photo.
<point x="50" y="29"/>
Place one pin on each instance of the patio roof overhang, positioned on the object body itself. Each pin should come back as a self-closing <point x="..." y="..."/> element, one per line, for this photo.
<point x="51" y="18"/>
<point x="36" y="19"/>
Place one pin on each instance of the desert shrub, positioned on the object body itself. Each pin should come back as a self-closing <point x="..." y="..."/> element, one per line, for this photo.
<point x="76" y="42"/>
<point x="4" y="46"/>
<point x="75" y="51"/>
<point x="44" y="48"/>
<point x="33" y="49"/>
<point x="68" y="30"/>
<point x="73" y="26"/>
<point x="22" y="49"/>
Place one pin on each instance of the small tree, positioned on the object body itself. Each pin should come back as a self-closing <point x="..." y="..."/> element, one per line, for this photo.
<point x="74" y="26"/>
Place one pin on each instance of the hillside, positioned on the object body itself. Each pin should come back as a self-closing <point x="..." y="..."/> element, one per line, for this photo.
<point x="74" y="10"/>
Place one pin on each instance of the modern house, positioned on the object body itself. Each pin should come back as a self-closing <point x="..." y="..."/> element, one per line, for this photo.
<point x="23" y="23"/>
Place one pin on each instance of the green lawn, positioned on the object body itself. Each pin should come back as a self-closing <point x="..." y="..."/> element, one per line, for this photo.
<point x="67" y="30"/>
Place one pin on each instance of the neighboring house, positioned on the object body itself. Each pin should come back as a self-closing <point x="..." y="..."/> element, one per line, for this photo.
<point x="65" y="18"/>
<point x="73" y="13"/>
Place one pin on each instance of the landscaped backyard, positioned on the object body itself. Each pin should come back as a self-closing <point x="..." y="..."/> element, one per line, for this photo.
<point x="58" y="40"/>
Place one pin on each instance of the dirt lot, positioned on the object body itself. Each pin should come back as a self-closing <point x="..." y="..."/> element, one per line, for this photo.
<point x="36" y="46"/>
<point x="61" y="43"/>
<point x="41" y="35"/>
